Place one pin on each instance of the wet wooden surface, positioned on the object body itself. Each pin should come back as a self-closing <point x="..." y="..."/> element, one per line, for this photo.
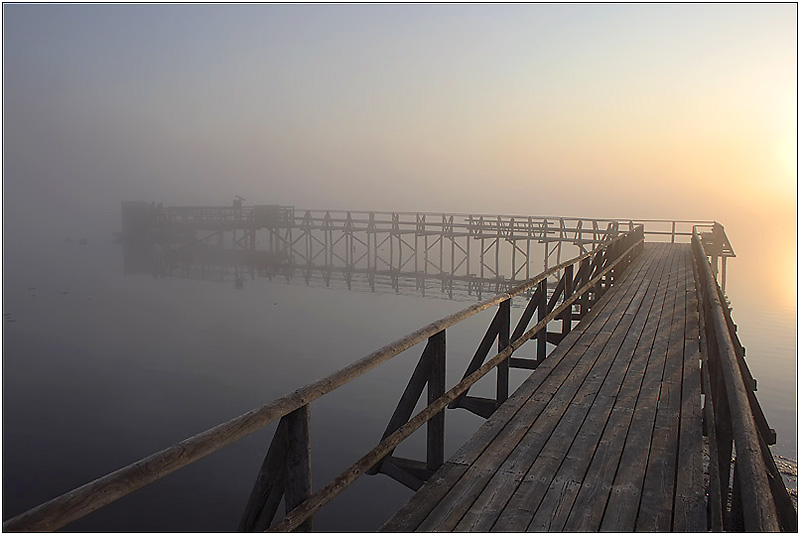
<point x="606" y="434"/>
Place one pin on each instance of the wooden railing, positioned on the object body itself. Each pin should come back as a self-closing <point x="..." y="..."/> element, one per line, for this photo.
<point x="746" y="491"/>
<point x="286" y="470"/>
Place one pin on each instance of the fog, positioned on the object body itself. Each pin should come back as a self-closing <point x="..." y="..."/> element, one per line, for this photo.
<point x="650" y="111"/>
<point x="625" y="111"/>
<point x="398" y="107"/>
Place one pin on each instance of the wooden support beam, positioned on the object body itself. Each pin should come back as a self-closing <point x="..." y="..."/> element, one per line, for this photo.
<point x="502" y="342"/>
<point x="527" y="314"/>
<point x="298" y="462"/>
<point x="418" y="468"/>
<point x="483" y="407"/>
<point x="554" y="338"/>
<point x="541" y="338"/>
<point x="558" y="292"/>
<point x="285" y="473"/>
<point x="483" y="350"/>
<point x="566" y="318"/>
<point x="430" y="372"/>
<point x="400" y="474"/>
<point x="436" y="388"/>
<point x="528" y="364"/>
<point x="268" y="488"/>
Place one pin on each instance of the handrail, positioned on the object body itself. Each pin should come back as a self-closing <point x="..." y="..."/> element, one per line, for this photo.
<point x="755" y="500"/>
<point x="516" y="216"/>
<point x="338" y="216"/>
<point x="87" y="498"/>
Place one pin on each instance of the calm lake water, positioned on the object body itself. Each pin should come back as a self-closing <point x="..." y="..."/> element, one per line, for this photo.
<point x="101" y="369"/>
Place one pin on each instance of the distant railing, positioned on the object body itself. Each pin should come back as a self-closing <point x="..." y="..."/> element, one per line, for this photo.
<point x="578" y="230"/>
<point x="746" y="492"/>
<point x="286" y="470"/>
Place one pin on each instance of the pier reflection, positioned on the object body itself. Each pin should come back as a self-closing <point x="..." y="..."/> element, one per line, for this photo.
<point x="237" y="267"/>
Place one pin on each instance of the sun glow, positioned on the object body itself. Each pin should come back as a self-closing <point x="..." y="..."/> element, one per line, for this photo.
<point x="786" y="155"/>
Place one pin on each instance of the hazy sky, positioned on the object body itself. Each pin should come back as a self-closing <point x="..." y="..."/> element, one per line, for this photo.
<point x="672" y="111"/>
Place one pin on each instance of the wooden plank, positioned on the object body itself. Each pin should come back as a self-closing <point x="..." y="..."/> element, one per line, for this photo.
<point x="569" y="476"/>
<point x="656" y="502"/>
<point x="554" y="369"/>
<point x="690" y="499"/>
<point x="627" y="487"/>
<point x="556" y="363"/>
<point x="517" y="509"/>
<point x="558" y="499"/>
<point x="655" y="509"/>
<point x="521" y="504"/>
<point x="516" y="455"/>
<point x="590" y="503"/>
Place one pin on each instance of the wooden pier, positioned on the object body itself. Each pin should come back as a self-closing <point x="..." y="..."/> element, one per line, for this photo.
<point x="642" y="416"/>
<point x="594" y="438"/>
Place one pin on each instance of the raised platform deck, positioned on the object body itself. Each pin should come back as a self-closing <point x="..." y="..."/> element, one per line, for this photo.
<point x="605" y="435"/>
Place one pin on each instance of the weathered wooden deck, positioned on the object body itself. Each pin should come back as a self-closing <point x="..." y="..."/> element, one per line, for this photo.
<point x="605" y="435"/>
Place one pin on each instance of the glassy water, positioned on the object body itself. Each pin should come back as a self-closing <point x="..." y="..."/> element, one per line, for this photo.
<point x="101" y="369"/>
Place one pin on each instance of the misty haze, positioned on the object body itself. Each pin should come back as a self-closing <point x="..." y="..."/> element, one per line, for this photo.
<point x="207" y="207"/>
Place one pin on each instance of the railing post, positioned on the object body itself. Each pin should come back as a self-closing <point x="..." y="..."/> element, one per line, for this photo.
<point x="584" y="274"/>
<point x="566" y="319"/>
<point x="724" y="272"/>
<point x="541" y="337"/>
<point x="504" y="329"/>
<point x="436" y="389"/>
<point x="298" y="461"/>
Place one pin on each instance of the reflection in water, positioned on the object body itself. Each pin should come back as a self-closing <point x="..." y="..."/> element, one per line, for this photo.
<point x="232" y="266"/>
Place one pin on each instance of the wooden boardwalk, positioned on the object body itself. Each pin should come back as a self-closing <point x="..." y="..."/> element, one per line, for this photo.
<point x="606" y="434"/>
